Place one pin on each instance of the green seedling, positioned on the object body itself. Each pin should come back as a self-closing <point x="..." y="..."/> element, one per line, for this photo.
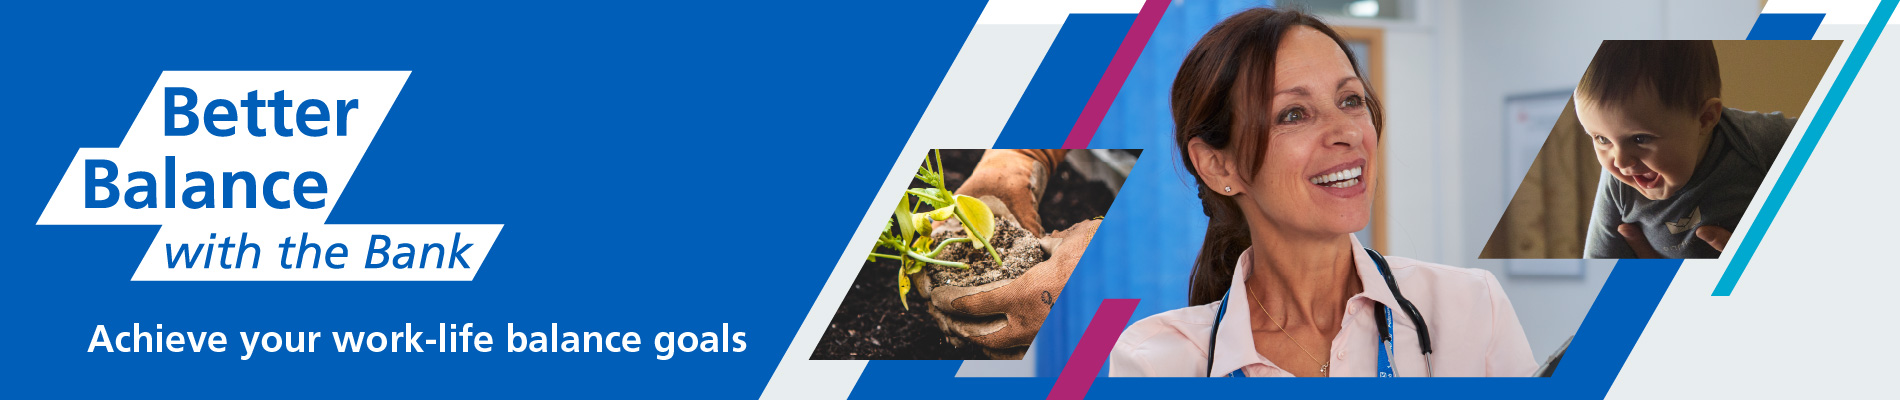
<point x="908" y="232"/>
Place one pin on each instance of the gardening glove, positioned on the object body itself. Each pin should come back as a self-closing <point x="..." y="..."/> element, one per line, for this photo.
<point x="1003" y="316"/>
<point x="1016" y="177"/>
<point x="922" y="280"/>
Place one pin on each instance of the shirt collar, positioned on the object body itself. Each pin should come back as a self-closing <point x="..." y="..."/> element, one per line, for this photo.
<point x="1370" y="280"/>
<point x="1235" y="338"/>
<point x="1235" y="326"/>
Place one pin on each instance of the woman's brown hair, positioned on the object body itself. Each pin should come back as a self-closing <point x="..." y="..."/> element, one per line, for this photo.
<point x="1231" y="69"/>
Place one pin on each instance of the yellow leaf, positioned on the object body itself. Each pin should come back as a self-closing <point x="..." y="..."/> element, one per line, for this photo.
<point x="979" y="220"/>
<point x="903" y="289"/>
<point x="904" y="217"/>
<point x="942" y="214"/>
<point x="921" y="221"/>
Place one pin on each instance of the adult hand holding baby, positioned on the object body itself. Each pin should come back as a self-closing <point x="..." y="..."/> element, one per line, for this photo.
<point x="1715" y="235"/>
<point x="1632" y="233"/>
<point x="1639" y="243"/>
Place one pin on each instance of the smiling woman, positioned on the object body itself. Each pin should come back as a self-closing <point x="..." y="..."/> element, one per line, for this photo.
<point x="1280" y="128"/>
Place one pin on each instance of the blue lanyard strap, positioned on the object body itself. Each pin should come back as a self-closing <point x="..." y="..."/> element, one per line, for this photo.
<point x="1213" y="338"/>
<point x="1385" y="348"/>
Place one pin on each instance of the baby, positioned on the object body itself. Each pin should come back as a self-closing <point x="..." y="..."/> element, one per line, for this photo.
<point x="1679" y="169"/>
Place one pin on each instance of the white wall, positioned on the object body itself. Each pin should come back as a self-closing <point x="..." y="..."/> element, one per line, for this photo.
<point x="1447" y="74"/>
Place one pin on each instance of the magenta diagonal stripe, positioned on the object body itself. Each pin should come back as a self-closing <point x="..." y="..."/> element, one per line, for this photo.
<point x="1117" y="73"/>
<point x="1086" y="361"/>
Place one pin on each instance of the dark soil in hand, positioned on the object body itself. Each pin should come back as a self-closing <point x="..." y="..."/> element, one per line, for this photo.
<point x="872" y="325"/>
<point x="1016" y="245"/>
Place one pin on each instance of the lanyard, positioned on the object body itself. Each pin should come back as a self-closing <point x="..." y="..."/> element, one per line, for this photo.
<point x="1386" y="346"/>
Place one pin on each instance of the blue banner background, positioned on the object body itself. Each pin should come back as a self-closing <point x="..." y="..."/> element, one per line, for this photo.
<point x="640" y="155"/>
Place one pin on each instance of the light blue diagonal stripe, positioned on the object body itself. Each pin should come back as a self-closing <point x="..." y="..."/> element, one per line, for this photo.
<point x="1806" y="148"/>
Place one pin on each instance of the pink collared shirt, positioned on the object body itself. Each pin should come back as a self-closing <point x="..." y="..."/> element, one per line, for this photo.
<point x="1474" y="330"/>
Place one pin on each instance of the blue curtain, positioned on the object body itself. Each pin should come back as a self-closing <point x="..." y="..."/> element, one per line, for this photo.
<point x="1146" y="246"/>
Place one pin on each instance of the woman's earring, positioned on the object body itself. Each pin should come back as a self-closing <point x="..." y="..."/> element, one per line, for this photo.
<point x="1230" y="189"/>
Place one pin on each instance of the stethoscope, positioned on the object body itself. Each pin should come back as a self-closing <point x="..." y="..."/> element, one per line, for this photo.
<point x="1386" y="347"/>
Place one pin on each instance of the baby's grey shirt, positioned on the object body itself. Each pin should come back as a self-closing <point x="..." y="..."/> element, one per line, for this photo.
<point x="1742" y="148"/>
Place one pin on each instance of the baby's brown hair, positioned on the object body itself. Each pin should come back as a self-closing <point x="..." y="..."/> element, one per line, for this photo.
<point x="1683" y="73"/>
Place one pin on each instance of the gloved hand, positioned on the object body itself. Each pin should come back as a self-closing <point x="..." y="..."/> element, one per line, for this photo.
<point x="1003" y="316"/>
<point x="1017" y="178"/>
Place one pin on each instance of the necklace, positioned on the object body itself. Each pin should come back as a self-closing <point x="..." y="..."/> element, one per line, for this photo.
<point x="1323" y="366"/>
